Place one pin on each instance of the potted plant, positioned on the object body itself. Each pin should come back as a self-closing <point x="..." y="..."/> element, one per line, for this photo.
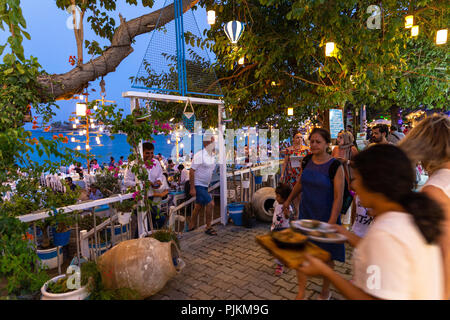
<point x="124" y="210"/>
<point x="107" y="181"/>
<point x="63" y="287"/>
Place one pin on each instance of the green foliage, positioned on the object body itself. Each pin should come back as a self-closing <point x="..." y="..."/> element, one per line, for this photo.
<point x="124" y="206"/>
<point x="91" y="274"/>
<point x="108" y="182"/>
<point x="284" y="46"/>
<point x="165" y="235"/>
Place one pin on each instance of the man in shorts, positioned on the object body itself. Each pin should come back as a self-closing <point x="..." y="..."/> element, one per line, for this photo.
<point x="200" y="175"/>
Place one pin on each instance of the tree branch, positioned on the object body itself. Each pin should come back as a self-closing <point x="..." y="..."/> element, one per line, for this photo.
<point x="65" y="86"/>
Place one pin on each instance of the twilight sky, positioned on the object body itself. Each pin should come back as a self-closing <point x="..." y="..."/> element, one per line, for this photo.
<point x="52" y="42"/>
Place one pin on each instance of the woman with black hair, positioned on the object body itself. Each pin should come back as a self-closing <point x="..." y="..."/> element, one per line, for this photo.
<point x="399" y="258"/>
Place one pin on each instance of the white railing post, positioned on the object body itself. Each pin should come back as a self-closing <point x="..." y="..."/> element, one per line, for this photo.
<point x="84" y="244"/>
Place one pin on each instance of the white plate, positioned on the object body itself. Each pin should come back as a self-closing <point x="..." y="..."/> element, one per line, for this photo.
<point x="323" y="227"/>
<point x="340" y="239"/>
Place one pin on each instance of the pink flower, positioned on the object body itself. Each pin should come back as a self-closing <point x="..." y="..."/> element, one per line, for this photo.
<point x="135" y="194"/>
<point x="148" y="165"/>
<point x="156" y="122"/>
<point x="155" y="131"/>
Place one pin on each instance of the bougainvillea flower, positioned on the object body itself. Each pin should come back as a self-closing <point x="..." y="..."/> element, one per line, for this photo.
<point x="65" y="140"/>
<point x="135" y="194"/>
<point x="60" y="135"/>
<point x="34" y="127"/>
<point x="55" y="137"/>
<point x="47" y="129"/>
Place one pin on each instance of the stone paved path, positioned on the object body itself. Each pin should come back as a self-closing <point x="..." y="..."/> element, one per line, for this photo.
<point x="232" y="266"/>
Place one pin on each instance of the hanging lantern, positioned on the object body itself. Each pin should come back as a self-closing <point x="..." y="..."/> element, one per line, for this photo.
<point x="330" y="49"/>
<point x="441" y="36"/>
<point x="290" y="111"/>
<point x="72" y="139"/>
<point x="87" y="147"/>
<point x="81" y="109"/>
<point x="211" y="17"/>
<point x="409" y="22"/>
<point x="234" y="30"/>
<point x="78" y="148"/>
<point x="74" y="126"/>
<point x="414" y="31"/>
<point x="241" y="60"/>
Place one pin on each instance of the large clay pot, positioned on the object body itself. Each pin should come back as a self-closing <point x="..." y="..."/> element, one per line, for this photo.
<point x="144" y="265"/>
<point x="263" y="201"/>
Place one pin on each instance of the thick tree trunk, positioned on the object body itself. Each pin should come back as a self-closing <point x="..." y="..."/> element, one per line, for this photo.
<point x="394" y="115"/>
<point x="65" y="86"/>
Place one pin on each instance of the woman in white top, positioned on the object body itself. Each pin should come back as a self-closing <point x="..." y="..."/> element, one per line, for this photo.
<point x="429" y="144"/>
<point x="399" y="258"/>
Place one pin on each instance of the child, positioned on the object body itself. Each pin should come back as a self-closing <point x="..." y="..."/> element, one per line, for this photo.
<point x="280" y="219"/>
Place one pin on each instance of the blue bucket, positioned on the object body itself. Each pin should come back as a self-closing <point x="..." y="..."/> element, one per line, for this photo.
<point x="235" y="211"/>
<point x="60" y="239"/>
<point x="258" y="179"/>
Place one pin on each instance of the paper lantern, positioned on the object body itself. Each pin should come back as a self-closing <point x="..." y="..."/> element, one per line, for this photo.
<point x="234" y="30"/>
<point x="414" y="31"/>
<point x="81" y="109"/>
<point x="409" y="22"/>
<point x="290" y="111"/>
<point x="211" y="17"/>
<point x="241" y="60"/>
<point x="330" y="49"/>
<point x="441" y="36"/>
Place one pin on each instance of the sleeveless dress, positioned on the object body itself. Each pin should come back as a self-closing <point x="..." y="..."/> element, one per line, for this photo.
<point x="291" y="174"/>
<point x="317" y="201"/>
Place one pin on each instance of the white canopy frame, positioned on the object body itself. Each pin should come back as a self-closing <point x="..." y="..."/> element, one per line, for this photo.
<point x="135" y="95"/>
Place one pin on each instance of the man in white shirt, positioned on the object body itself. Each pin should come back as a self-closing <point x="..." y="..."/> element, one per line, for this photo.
<point x="200" y="175"/>
<point x="154" y="170"/>
<point x="184" y="175"/>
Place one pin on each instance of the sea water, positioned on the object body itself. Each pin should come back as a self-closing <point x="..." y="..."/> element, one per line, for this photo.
<point x="116" y="147"/>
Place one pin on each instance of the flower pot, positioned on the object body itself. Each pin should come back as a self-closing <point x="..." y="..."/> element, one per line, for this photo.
<point x="258" y="179"/>
<point x="246" y="184"/>
<point x="124" y="217"/>
<point x="60" y="239"/>
<point x="49" y="257"/>
<point x="79" y="294"/>
<point x="144" y="265"/>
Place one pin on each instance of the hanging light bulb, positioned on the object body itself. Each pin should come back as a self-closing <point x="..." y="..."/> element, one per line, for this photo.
<point x="100" y="129"/>
<point x="290" y="111"/>
<point x="77" y="121"/>
<point x="80" y="133"/>
<point x="95" y="107"/>
<point x="91" y="120"/>
<point x="414" y="31"/>
<point x="72" y="139"/>
<point x="87" y="147"/>
<point x="409" y="21"/>
<point x="211" y="17"/>
<point x="441" y="36"/>
<point x="78" y="148"/>
<point x="241" y="60"/>
<point x="81" y="109"/>
<point x="330" y="49"/>
<point x="74" y="126"/>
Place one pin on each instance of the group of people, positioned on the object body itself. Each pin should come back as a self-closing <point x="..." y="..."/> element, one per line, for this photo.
<point x="401" y="236"/>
